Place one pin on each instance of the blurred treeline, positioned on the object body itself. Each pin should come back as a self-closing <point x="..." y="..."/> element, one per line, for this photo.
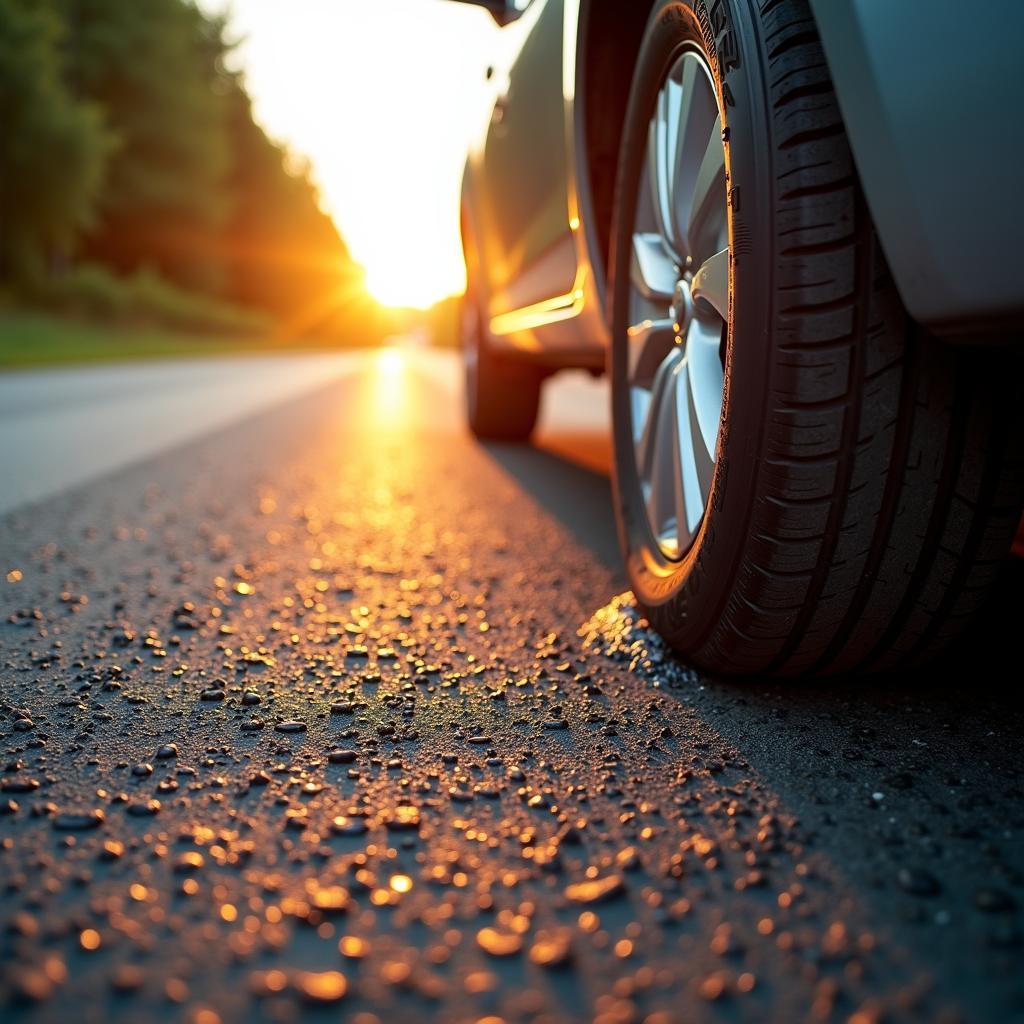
<point x="134" y="182"/>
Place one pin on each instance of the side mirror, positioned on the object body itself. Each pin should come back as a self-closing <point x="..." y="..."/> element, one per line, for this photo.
<point x="502" y="11"/>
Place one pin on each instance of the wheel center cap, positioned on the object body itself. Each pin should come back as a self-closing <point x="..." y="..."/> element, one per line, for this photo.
<point x="682" y="310"/>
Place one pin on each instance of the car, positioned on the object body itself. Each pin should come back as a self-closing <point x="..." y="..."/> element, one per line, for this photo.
<point x="789" y="231"/>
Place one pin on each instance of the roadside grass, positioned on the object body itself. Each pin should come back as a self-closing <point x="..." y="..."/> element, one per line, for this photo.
<point x="37" y="339"/>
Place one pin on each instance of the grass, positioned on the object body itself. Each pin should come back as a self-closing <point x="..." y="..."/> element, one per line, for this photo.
<point x="37" y="339"/>
<point x="92" y="293"/>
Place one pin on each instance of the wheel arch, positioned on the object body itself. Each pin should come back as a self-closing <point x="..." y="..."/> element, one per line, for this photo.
<point x="476" y="277"/>
<point x="949" y="216"/>
<point x="607" y="48"/>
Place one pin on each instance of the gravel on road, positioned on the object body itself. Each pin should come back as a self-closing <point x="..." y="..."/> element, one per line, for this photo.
<point x="338" y="708"/>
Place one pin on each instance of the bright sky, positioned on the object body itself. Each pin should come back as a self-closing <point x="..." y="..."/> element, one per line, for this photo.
<point x="382" y="96"/>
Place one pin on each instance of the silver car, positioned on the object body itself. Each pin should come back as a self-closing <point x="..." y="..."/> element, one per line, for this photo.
<point x="790" y="231"/>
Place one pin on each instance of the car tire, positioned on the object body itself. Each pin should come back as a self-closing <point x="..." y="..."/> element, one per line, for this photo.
<point x="502" y="393"/>
<point x="868" y="477"/>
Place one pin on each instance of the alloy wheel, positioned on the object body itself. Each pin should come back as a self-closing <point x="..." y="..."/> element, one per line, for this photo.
<point x="679" y="304"/>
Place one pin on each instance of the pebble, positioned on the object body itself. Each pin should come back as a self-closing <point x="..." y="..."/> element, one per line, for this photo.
<point x="596" y="890"/>
<point x="499" y="943"/>
<point x="267" y="983"/>
<point x="112" y="850"/>
<point x="346" y="825"/>
<point x="143" y="808"/>
<point x="551" y="948"/>
<point x="320" y="987"/>
<point x="190" y="860"/>
<point x="17" y="785"/>
<point x="331" y="899"/>
<point x="403" y="819"/>
<point x="74" y="821"/>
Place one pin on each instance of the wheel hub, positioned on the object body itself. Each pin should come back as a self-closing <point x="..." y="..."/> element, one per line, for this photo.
<point x="681" y="310"/>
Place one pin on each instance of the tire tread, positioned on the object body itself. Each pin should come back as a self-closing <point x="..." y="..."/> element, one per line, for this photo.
<point x="874" y="543"/>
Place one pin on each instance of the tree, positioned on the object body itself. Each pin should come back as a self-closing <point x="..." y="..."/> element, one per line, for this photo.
<point x="283" y="252"/>
<point x="54" y="146"/>
<point x="156" y="69"/>
<point x="195" y="188"/>
<point x="121" y="123"/>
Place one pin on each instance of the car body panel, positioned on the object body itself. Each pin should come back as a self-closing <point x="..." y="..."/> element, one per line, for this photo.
<point x="538" y="284"/>
<point x="523" y="173"/>
<point x="930" y="95"/>
<point x="936" y="139"/>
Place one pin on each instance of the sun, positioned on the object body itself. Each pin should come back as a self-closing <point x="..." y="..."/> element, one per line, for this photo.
<point x="386" y="138"/>
<point x="421" y="287"/>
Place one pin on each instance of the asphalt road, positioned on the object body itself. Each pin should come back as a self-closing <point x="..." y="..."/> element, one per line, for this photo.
<point x="62" y="427"/>
<point x="333" y="711"/>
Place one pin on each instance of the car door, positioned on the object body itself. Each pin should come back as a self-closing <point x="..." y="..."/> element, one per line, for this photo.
<point x="524" y="203"/>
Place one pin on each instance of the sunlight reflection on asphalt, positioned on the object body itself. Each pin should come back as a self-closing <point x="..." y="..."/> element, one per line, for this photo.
<point x="360" y="721"/>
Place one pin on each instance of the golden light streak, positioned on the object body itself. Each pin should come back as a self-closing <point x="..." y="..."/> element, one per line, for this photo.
<point x="561" y="307"/>
<point x="383" y="96"/>
<point x="389" y="390"/>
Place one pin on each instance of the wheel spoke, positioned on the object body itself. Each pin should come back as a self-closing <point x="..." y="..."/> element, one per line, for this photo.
<point x="647" y="218"/>
<point x="710" y="285"/>
<point x="640" y="409"/>
<point x="653" y="272"/>
<point x="659" y="160"/>
<point x="647" y="440"/>
<point x="649" y="343"/>
<point x="707" y="206"/>
<point x="707" y="380"/>
<point x="696" y="135"/>
<point x="681" y="535"/>
<point x="656" y="165"/>
<point x="703" y="460"/>
<point x="673" y="92"/>
<point x="663" y="471"/>
<point x="692" y="496"/>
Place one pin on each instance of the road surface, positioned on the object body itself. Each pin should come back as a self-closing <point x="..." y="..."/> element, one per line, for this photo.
<point x="321" y="707"/>
<point x="63" y="427"/>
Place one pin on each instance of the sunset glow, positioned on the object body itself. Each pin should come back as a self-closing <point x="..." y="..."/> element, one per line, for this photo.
<point x="382" y="97"/>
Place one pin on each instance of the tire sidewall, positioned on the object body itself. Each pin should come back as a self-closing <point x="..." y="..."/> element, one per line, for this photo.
<point x="469" y="324"/>
<point x="685" y="598"/>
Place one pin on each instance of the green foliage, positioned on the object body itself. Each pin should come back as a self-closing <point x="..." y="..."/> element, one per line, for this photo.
<point x="92" y="292"/>
<point x="54" y="145"/>
<point x="156" y="69"/>
<point x="40" y="339"/>
<point x="125" y="133"/>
